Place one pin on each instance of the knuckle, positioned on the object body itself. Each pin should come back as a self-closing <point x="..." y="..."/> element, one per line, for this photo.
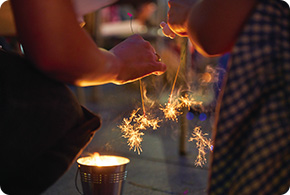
<point x="147" y="44"/>
<point x="136" y="36"/>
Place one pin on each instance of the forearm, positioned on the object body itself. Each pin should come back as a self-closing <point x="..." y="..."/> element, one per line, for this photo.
<point x="7" y="26"/>
<point x="58" y="46"/>
<point x="213" y="26"/>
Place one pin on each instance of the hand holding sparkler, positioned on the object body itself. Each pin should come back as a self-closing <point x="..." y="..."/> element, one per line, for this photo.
<point x="137" y="59"/>
<point x="177" y="18"/>
<point x="166" y="30"/>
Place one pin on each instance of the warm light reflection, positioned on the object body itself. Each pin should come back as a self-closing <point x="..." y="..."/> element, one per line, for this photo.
<point x="102" y="160"/>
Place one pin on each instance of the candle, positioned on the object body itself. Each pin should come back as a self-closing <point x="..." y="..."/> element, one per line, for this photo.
<point x="102" y="174"/>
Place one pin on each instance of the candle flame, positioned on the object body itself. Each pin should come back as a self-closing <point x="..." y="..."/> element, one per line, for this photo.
<point x="102" y="160"/>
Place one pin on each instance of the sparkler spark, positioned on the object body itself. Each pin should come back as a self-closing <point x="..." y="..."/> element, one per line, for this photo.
<point x="134" y="140"/>
<point x="186" y="101"/>
<point x="133" y="126"/>
<point x="172" y="109"/>
<point x="202" y="143"/>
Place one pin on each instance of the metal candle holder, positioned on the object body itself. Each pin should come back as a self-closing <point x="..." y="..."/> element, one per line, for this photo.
<point x="103" y="180"/>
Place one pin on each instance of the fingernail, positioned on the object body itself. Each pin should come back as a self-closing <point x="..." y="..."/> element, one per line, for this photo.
<point x="162" y="24"/>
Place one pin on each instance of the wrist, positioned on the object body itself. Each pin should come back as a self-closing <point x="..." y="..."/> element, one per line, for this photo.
<point x="115" y="65"/>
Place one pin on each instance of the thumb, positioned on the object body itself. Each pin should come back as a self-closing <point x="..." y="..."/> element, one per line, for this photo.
<point x="166" y="30"/>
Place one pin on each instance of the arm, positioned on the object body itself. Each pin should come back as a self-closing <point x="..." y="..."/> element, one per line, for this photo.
<point x="53" y="40"/>
<point x="7" y="26"/>
<point x="211" y="25"/>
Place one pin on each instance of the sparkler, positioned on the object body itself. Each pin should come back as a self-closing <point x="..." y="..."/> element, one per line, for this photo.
<point x="186" y="101"/>
<point x="202" y="143"/>
<point x="140" y="83"/>
<point x="131" y="19"/>
<point x="133" y="126"/>
<point x="171" y="110"/>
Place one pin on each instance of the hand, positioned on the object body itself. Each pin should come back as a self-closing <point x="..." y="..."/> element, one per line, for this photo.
<point x="177" y="16"/>
<point x="166" y="30"/>
<point x="137" y="59"/>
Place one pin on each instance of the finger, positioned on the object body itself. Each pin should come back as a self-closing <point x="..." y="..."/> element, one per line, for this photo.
<point x="168" y="32"/>
<point x="162" y="24"/>
<point x="158" y="68"/>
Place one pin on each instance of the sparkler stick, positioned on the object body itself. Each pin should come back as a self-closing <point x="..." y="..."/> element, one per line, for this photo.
<point x="141" y="89"/>
<point x="142" y="97"/>
<point x="183" y="119"/>
<point x="131" y="20"/>
<point x="171" y="110"/>
<point x="182" y="61"/>
<point x="170" y="97"/>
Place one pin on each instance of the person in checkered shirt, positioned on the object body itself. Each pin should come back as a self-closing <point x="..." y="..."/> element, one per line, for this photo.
<point x="252" y="129"/>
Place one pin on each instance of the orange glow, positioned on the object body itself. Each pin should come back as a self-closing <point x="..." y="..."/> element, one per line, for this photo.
<point x="102" y="160"/>
<point x="206" y="77"/>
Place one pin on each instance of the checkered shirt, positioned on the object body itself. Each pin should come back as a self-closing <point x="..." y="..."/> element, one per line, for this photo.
<point x="252" y="131"/>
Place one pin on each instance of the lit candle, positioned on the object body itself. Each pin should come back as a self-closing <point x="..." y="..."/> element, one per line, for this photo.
<point x="102" y="174"/>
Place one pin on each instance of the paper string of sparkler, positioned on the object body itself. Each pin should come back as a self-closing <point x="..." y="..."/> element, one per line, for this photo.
<point x="131" y="21"/>
<point x="182" y="62"/>
<point x="170" y="97"/>
<point x="142" y="97"/>
<point x="140" y="82"/>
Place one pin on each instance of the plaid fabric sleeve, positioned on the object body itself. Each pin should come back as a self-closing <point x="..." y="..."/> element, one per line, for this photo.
<point x="252" y="131"/>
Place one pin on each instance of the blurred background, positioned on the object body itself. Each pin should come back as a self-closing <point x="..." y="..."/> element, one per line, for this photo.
<point x="167" y="163"/>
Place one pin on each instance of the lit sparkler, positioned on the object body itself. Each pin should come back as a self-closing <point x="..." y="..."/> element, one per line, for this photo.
<point x="186" y="101"/>
<point x="202" y="143"/>
<point x="171" y="110"/>
<point x="133" y="126"/>
<point x="134" y="140"/>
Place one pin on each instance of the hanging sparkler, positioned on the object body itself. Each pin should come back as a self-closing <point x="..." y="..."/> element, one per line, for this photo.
<point x="202" y="143"/>
<point x="171" y="110"/>
<point x="133" y="126"/>
<point x="140" y="83"/>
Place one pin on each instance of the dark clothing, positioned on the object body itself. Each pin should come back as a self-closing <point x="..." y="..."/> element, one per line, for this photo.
<point x="252" y="133"/>
<point x="43" y="127"/>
